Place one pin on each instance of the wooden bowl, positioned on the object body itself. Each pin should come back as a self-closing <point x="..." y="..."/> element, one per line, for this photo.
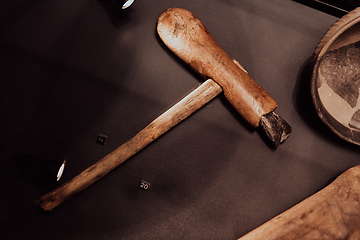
<point x="335" y="79"/>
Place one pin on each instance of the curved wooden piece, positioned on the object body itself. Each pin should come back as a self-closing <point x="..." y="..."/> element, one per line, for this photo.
<point x="332" y="213"/>
<point x="186" y="36"/>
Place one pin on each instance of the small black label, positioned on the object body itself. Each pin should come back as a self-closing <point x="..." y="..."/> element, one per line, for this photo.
<point x="101" y="139"/>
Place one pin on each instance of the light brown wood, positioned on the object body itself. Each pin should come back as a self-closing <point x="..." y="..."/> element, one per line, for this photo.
<point x="184" y="108"/>
<point x="186" y="36"/>
<point x="332" y="214"/>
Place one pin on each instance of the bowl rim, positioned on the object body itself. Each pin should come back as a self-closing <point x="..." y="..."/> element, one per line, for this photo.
<point x="337" y="29"/>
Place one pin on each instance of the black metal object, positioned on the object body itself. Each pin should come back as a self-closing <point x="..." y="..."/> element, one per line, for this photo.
<point x="275" y="127"/>
<point x="336" y="8"/>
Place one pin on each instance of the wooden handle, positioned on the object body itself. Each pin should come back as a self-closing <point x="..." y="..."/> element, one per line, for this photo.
<point x="186" y="36"/>
<point x="184" y="108"/>
<point x="332" y="213"/>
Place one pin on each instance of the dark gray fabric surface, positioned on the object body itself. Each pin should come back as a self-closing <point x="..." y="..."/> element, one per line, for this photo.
<point x="71" y="70"/>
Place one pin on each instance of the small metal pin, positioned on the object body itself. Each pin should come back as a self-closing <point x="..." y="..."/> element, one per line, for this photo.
<point x="120" y="4"/>
<point x="127" y="4"/>
<point x="49" y="170"/>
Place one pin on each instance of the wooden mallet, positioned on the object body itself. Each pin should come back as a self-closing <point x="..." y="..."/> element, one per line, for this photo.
<point x="178" y="27"/>
<point x="187" y="37"/>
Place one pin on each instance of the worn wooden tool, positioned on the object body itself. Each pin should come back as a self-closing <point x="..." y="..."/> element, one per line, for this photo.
<point x="260" y="112"/>
<point x="187" y="37"/>
<point x="332" y="213"/>
<point x="181" y="110"/>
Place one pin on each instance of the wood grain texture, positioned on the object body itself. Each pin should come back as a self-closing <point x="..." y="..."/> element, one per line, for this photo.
<point x="332" y="213"/>
<point x="184" y="108"/>
<point x="187" y="37"/>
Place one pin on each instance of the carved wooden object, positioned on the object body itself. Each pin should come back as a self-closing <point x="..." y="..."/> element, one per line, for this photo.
<point x="332" y="213"/>
<point x="187" y="37"/>
<point x="206" y="56"/>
